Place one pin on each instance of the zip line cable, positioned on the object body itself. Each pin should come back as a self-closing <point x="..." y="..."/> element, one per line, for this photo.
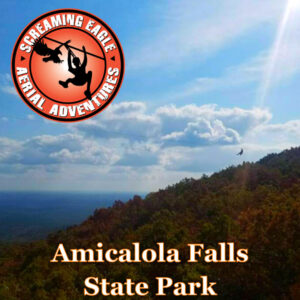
<point x="68" y="46"/>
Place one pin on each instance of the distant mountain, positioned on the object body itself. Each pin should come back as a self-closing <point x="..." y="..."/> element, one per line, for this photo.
<point x="255" y="205"/>
<point x="29" y="216"/>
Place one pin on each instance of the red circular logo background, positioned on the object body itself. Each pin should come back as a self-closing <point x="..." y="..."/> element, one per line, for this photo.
<point x="67" y="65"/>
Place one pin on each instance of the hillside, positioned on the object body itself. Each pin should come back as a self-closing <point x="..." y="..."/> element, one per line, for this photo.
<point x="256" y="205"/>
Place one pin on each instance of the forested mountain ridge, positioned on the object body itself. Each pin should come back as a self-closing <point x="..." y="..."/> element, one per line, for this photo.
<point x="254" y="205"/>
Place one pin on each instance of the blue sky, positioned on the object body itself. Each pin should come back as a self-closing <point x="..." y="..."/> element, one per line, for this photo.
<point x="202" y="80"/>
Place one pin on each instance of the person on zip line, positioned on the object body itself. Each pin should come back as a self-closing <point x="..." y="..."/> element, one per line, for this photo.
<point x="81" y="76"/>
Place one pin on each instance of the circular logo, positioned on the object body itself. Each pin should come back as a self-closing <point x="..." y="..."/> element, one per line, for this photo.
<point x="67" y="65"/>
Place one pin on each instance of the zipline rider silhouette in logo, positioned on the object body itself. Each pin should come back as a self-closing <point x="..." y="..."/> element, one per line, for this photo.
<point x="81" y="76"/>
<point x="67" y="65"/>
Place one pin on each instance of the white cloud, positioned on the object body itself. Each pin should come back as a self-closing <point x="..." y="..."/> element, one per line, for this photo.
<point x="7" y="85"/>
<point x="286" y="134"/>
<point x="139" y="154"/>
<point x="178" y="142"/>
<point x="129" y="135"/>
<point x="127" y="120"/>
<point x="240" y="120"/>
<point x="9" y="90"/>
<point x="197" y="30"/>
<point x="209" y="159"/>
<point x="243" y="74"/>
<point x="9" y="149"/>
<point x="189" y="125"/>
<point x="268" y="68"/>
<point x="47" y="150"/>
<point x="201" y="133"/>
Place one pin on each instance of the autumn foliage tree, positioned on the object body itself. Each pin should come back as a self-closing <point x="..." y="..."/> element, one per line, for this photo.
<point x="254" y="205"/>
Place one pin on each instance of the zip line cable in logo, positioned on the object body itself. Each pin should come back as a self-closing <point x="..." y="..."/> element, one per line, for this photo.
<point x="69" y="48"/>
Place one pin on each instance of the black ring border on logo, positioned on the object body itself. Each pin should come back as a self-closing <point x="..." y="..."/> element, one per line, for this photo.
<point x="57" y="101"/>
<point x="101" y="107"/>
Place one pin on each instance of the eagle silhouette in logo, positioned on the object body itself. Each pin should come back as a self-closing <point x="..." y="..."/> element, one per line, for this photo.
<point x="42" y="49"/>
